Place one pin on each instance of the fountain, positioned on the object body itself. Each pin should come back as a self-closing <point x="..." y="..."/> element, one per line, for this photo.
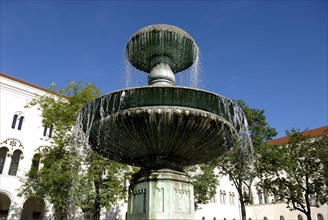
<point x="161" y="128"/>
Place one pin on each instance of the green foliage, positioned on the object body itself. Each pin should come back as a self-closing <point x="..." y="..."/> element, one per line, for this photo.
<point x="60" y="108"/>
<point x="204" y="181"/>
<point x="239" y="162"/>
<point x="68" y="178"/>
<point x="296" y="172"/>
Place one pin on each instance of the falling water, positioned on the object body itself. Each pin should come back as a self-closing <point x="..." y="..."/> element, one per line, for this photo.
<point x="128" y="73"/>
<point x="195" y="71"/>
<point x="112" y="103"/>
<point x="120" y="108"/>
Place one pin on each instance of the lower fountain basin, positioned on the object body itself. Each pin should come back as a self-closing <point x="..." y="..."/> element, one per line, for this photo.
<point x="162" y="127"/>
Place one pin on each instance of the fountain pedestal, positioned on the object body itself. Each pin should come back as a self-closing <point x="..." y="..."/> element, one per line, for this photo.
<point x="161" y="194"/>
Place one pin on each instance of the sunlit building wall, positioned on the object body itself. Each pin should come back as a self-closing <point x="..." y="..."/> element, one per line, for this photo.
<point x="21" y="137"/>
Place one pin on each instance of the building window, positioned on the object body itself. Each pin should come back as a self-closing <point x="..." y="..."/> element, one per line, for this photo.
<point x="36" y="215"/>
<point x="3" y="156"/>
<point x="13" y="124"/>
<point x="265" y="218"/>
<point x="281" y="218"/>
<point x="260" y="195"/>
<point x="20" y="124"/>
<point x="320" y="217"/>
<point x="15" y="162"/>
<point x="221" y="197"/>
<point x="299" y="217"/>
<point x="35" y="166"/>
<point x="232" y="198"/>
<point x="266" y="196"/>
<point x="224" y="197"/>
<point x="36" y="162"/>
<point x="47" y="131"/>
<point x="20" y="118"/>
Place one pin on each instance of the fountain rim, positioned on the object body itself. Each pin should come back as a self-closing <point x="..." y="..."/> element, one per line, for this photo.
<point x="161" y="27"/>
<point x="169" y="87"/>
<point x="130" y="91"/>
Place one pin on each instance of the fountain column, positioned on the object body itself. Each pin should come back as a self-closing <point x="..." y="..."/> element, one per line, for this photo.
<point x="161" y="128"/>
<point x="161" y="194"/>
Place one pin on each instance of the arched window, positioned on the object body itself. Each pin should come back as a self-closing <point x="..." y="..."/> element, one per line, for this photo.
<point x="48" y="131"/>
<point x="20" y="118"/>
<point x="33" y="209"/>
<point x="224" y="197"/>
<point x="320" y="217"/>
<point x="265" y="218"/>
<point x="260" y="195"/>
<point x="36" y="161"/>
<point x="266" y="196"/>
<point x="281" y="218"/>
<point x="20" y="124"/>
<point x="15" y="162"/>
<point x="221" y="197"/>
<point x="13" y="124"/>
<point x="3" y="156"/>
<point x="5" y="205"/>
<point x="35" y="166"/>
<point x="232" y="198"/>
<point x="299" y="217"/>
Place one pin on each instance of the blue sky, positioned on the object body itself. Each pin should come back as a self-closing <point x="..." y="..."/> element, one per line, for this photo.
<point x="271" y="54"/>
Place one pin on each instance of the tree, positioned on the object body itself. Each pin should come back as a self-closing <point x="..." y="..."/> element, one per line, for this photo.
<point x="102" y="185"/>
<point x="296" y="172"/>
<point x="66" y="175"/>
<point x="239" y="162"/>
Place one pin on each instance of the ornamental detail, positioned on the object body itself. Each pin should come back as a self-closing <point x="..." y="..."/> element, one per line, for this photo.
<point x="12" y="144"/>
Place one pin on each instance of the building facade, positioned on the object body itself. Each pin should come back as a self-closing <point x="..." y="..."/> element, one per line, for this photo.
<point x="22" y="135"/>
<point x="267" y="207"/>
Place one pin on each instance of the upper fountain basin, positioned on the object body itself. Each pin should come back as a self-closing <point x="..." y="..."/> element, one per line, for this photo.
<point x="161" y="127"/>
<point x="161" y="43"/>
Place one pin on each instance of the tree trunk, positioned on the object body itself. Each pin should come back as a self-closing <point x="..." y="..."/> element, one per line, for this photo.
<point x="242" y="208"/>
<point x="308" y="215"/>
<point x="241" y="200"/>
<point x="308" y="207"/>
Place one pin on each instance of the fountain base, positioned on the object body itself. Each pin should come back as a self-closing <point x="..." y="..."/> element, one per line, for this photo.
<point x="161" y="194"/>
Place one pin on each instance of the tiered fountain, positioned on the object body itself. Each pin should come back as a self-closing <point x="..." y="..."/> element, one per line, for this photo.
<point x="161" y="127"/>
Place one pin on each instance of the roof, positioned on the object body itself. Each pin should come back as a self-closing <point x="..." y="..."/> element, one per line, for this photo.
<point x="27" y="83"/>
<point x="317" y="132"/>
